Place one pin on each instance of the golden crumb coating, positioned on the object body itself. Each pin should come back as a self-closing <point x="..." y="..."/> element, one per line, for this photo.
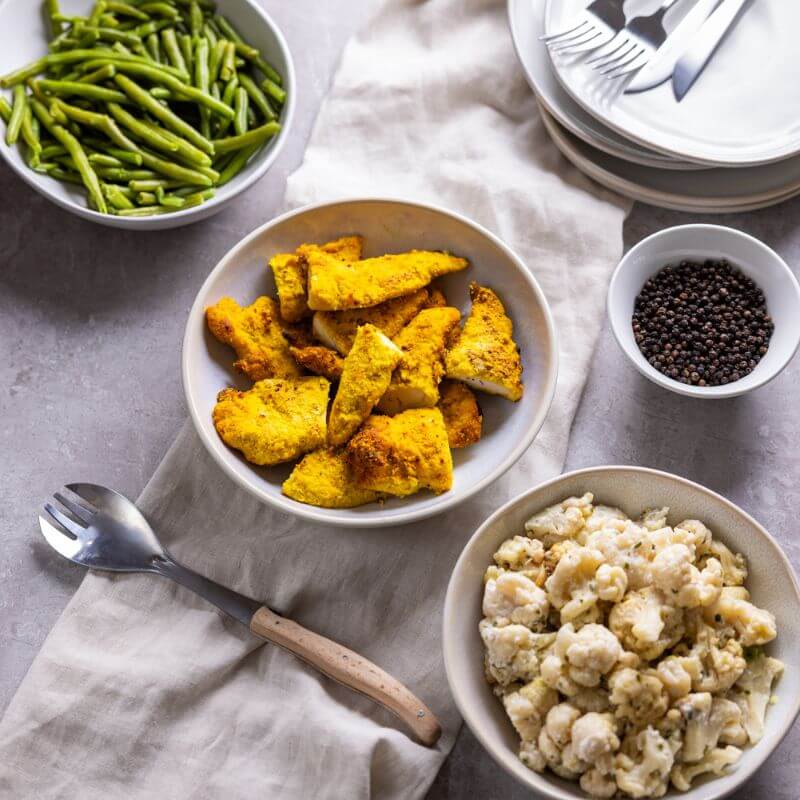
<point x="485" y="355"/>
<point x="462" y="414"/>
<point x="436" y="298"/>
<point x="366" y="375"/>
<point x="255" y="333"/>
<point x="401" y="455"/>
<point x="335" y="285"/>
<point x="319" y="360"/>
<point x="415" y="383"/>
<point x="323" y="479"/>
<point x="290" y="272"/>
<point x="338" y="328"/>
<point x="275" y="421"/>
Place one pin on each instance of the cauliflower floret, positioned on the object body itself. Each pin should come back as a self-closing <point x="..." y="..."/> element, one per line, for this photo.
<point x="675" y="574"/>
<point x="587" y="699"/>
<point x="594" y="737"/>
<point x="559" y="722"/>
<point x="596" y="783"/>
<point x="734" y="566"/>
<point x="528" y="706"/>
<point x="624" y="549"/>
<point x="580" y="658"/>
<point x="677" y="674"/>
<point x="514" y="598"/>
<point x="639" y="697"/>
<point x="561" y="521"/>
<point x="645" y="624"/>
<point x="605" y="517"/>
<point x="612" y="583"/>
<point x="755" y="626"/>
<point x="654" y="518"/>
<point x="716" y="763"/>
<point x="642" y="770"/>
<point x="695" y="534"/>
<point x="512" y="652"/>
<point x="519" y="553"/>
<point x="720" y="666"/>
<point x="753" y="691"/>
<point x="706" y="718"/>
<point x="572" y="588"/>
<point x="555" y="742"/>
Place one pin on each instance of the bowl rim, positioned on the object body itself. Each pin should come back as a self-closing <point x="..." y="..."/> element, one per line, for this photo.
<point x="723" y="233"/>
<point x="446" y="500"/>
<point x="185" y="216"/>
<point x="543" y="784"/>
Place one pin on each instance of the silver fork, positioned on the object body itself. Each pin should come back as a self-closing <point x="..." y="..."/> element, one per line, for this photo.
<point x="101" y="529"/>
<point x="634" y="45"/>
<point x="599" y="24"/>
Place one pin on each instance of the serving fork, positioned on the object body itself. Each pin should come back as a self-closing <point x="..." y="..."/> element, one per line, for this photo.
<point x="100" y="529"/>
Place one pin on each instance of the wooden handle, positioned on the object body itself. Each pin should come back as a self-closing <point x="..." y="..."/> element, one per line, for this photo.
<point x="349" y="669"/>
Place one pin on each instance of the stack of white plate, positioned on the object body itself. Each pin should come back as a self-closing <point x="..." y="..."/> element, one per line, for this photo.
<point x="732" y="144"/>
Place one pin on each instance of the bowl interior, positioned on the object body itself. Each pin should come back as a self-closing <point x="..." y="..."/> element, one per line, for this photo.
<point x="771" y="582"/>
<point x="387" y="226"/>
<point x="25" y="37"/>
<point x="697" y="243"/>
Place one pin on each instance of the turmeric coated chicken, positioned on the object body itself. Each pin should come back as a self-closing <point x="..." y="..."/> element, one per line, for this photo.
<point x="462" y="414"/>
<point x="290" y="272"/>
<point x="255" y="333"/>
<point x="485" y="355"/>
<point x="323" y="479"/>
<point x="335" y="285"/>
<point x="415" y="383"/>
<point x="366" y="375"/>
<point x="277" y="420"/>
<point x="402" y="454"/>
<point x="337" y="329"/>
<point x="319" y="360"/>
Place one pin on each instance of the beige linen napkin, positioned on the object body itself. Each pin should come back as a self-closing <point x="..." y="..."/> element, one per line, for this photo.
<point x="144" y="691"/>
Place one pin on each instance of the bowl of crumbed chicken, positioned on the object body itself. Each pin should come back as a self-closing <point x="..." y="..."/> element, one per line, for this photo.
<point x="369" y="362"/>
<point x="622" y="632"/>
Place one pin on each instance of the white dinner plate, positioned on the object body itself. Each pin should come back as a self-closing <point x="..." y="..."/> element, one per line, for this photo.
<point x="741" y="112"/>
<point x="708" y="191"/>
<point x="526" y="20"/>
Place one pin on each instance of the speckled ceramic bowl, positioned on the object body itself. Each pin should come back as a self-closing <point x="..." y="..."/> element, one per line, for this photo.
<point x="772" y="584"/>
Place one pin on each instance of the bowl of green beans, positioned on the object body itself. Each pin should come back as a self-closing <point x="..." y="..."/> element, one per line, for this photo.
<point x="142" y="114"/>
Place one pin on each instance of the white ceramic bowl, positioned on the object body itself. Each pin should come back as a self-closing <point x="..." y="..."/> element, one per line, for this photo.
<point x="698" y="242"/>
<point x="772" y="583"/>
<point x="25" y="36"/>
<point x="387" y="226"/>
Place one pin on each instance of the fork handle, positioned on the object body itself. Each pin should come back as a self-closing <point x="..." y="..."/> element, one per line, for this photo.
<point x="349" y="669"/>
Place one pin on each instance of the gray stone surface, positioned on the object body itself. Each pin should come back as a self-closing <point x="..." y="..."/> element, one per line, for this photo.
<point x="91" y="322"/>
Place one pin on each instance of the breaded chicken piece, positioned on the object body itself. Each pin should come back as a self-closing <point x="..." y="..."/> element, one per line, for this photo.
<point x="319" y="360"/>
<point x="485" y="355"/>
<point x="255" y="333"/>
<point x="437" y="297"/>
<point x="335" y="285"/>
<point x="290" y="272"/>
<point x="462" y="414"/>
<point x="323" y="479"/>
<point x="337" y="329"/>
<point x="403" y="454"/>
<point x="275" y="421"/>
<point x="415" y="383"/>
<point x="366" y="375"/>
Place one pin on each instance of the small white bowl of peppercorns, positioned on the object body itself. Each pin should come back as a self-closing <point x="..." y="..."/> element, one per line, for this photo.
<point x="705" y="311"/>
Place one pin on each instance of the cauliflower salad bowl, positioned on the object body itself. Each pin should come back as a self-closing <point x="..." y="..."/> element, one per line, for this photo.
<point x="622" y="632"/>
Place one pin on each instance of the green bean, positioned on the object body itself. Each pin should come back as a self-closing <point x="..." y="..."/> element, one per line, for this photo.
<point x="51" y="6"/>
<point x="68" y="88"/>
<point x="162" y="113"/>
<point x="211" y="35"/>
<point x="104" y="160"/>
<point x="111" y="35"/>
<point x="153" y="45"/>
<point x="185" y="42"/>
<point x="241" y="108"/>
<point x="237" y="163"/>
<point x="228" y="66"/>
<point x="195" y="19"/>
<point x="5" y="109"/>
<point x="127" y="10"/>
<point x="252" y="55"/>
<point x="109" y="21"/>
<point x="170" y="200"/>
<point x="172" y="170"/>
<point x="273" y="90"/>
<point x="124" y="175"/>
<point x="254" y="136"/>
<point x="170" y="43"/>
<point x="97" y="12"/>
<point x="101" y="122"/>
<point x="88" y="175"/>
<point x="118" y="47"/>
<point x="143" y="211"/>
<point x="53" y="151"/>
<point x="196" y="158"/>
<point x="154" y="26"/>
<point x="60" y="174"/>
<point x="161" y="10"/>
<point x="126" y="156"/>
<point x="229" y="98"/>
<point x="99" y="75"/>
<point x="258" y="97"/>
<point x="201" y="81"/>
<point x="198" y="197"/>
<point x="161" y="93"/>
<point x="30" y="133"/>
<point x="215" y="59"/>
<point x="116" y="196"/>
<point x="147" y="199"/>
<point x="17" y="115"/>
<point x="154" y="184"/>
<point x="228" y="31"/>
<point x="141" y="130"/>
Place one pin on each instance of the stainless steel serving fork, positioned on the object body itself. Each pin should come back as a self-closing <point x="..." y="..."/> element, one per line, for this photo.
<point x="596" y="26"/>
<point x="100" y="529"/>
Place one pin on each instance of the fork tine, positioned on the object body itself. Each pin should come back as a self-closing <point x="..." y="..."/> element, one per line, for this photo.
<point x="560" y="47"/>
<point x="635" y="67"/>
<point x="66" y="522"/>
<point x="602" y="65"/>
<point x="59" y="539"/>
<point x="638" y="52"/>
<point x="604" y="53"/>
<point x="550" y="37"/>
<point x="82" y="510"/>
<point x="574" y="38"/>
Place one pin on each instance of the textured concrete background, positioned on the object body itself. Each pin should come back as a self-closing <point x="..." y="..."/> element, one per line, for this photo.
<point x="91" y="321"/>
